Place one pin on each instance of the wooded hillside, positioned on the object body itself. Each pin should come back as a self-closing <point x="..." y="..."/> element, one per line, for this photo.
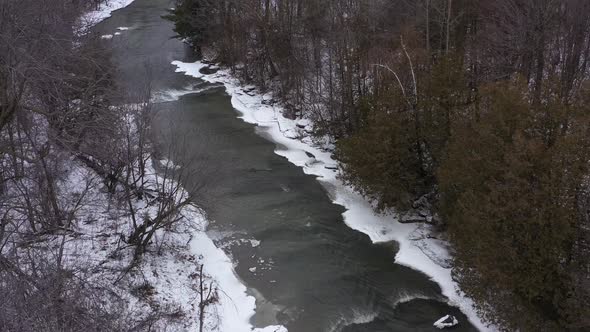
<point x="84" y="196"/>
<point x="480" y="106"/>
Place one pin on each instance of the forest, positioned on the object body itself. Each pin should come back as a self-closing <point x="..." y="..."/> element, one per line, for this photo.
<point x="481" y="108"/>
<point x="87" y="201"/>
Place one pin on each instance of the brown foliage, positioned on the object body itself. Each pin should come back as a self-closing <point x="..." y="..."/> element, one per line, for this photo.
<point x="511" y="196"/>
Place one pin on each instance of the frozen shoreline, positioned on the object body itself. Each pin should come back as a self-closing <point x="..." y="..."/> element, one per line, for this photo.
<point x="359" y="214"/>
<point x="103" y="12"/>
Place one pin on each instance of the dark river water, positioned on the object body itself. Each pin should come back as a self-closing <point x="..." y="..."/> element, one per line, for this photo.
<point x="310" y="272"/>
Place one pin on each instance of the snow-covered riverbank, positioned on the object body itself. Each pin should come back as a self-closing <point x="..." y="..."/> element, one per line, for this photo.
<point x="169" y="277"/>
<point x="101" y="13"/>
<point x="294" y="144"/>
<point x="164" y="285"/>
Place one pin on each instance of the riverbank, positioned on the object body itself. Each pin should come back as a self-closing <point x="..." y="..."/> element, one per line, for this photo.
<point x="101" y="13"/>
<point x="296" y="145"/>
<point x="165" y="285"/>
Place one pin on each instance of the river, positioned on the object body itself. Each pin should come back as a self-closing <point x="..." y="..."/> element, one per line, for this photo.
<point x="307" y="269"/>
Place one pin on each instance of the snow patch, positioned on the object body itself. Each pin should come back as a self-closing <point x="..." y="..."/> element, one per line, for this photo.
<point x="274" y="328"/>
<point x="235" y="307"/>
<point x="103" y="12"/>
<point x="446" y="321"/>
<point x="167" y="163"/>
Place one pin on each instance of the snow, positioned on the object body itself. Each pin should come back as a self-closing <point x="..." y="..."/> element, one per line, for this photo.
<point x="235" y="307"/>
<point x="446" y="321"/>
<point x="93" y="243"/>
<point x="360" y="213"/>
<point x="167" y="163"/>
<point x="272" y="328"/>
<point x="101" y="13"/>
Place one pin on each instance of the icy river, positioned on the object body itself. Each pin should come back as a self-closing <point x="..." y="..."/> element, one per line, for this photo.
<point x="308" y="270"/>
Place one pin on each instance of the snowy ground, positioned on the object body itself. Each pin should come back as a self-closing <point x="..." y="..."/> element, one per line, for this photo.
<point x="166" y="281"/>
<point x="164" y="285"/>
<point x="101" y="13"/>
<point x="415" y="246"/>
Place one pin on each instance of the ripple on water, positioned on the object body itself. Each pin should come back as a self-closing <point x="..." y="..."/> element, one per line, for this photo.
<point x="357" y="316"/>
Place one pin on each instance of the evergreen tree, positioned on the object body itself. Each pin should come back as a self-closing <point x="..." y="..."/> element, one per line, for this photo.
<point x="511" y="198"/>
<point x="194" y="22"/>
